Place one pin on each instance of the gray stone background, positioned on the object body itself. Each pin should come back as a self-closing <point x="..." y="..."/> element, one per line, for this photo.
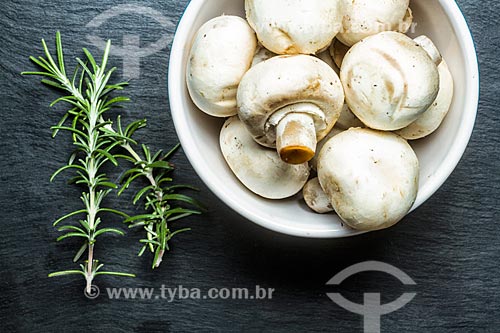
<point x="449" y="246"/>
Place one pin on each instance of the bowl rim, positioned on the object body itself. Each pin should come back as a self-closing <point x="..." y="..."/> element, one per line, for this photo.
<point x="450" y="161"/>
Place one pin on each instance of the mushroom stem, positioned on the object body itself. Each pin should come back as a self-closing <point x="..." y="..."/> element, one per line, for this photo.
<point x="430" y="48"/>
<point x="296" y="138"/>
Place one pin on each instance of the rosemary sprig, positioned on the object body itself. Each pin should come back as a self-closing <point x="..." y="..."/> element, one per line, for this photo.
<point x="158" y="197"/>
<point x="96" y="140"/>
<point x="88" y="97"/>
<point x="158" y="201"/>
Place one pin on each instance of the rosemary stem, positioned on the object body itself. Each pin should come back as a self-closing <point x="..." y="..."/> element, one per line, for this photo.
<point x="90" y="275"/>
<point x="160" y="258"/>
<point x="92" y="170"/>
<point x="90" y="252"/>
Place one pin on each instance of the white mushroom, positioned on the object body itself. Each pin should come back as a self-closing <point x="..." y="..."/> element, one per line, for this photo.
<point x="363" y="18"/>
<point x="258" y="168"/>
<point x="390" y="80"/>
<point x="337" y="52"/>
<point x="295" y="26"/>
<point x="370" y="177"/>
<point x="430" y="121"/>
<point x="290" y="102"/>
<point x="262" y="54"/>
<point x="316" y="198"/>
<point x="221" y="53"/>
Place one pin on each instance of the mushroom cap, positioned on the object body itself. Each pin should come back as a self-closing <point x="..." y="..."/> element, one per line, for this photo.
<point x="363" y="18"/>
<point x="295" y="26"/>
<point x="316" y="198"/>
<point x="222" y="52"/>
<point x="389" y="80"/>
<point x="283" y="81"/>
<point x="431" y="119"/>
<point x="261" y="170"/>
<point x="370" y="177"/>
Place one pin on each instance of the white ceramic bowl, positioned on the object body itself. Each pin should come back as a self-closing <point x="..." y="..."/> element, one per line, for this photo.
<point x="439" y="154"/>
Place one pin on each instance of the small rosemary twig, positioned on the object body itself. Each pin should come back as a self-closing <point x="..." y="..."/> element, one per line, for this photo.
<point x="158" y="200"/>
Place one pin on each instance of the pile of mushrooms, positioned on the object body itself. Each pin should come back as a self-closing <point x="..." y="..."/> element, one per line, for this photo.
<point x="321" y="96"/>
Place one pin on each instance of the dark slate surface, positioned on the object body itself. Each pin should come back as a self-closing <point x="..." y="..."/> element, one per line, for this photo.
<point x="450" y="245"/>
